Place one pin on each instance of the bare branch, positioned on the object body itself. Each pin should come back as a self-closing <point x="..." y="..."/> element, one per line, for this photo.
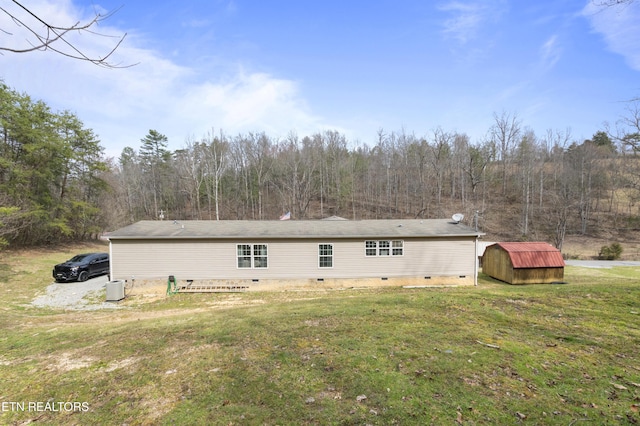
<point x="609" y="3"/>
<point x="52" y="36"/>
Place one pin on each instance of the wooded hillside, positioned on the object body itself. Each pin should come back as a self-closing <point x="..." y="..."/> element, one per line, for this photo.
<point x="57" y="185"/>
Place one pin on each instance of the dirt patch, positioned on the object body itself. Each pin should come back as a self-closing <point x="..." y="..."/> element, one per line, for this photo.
<point x="68" y="361"/>
<point x="143" y="292"/>
<point x="115" y="365"/>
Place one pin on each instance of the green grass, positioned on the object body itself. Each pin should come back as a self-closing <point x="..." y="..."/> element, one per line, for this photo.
<point x="492" y="354"/>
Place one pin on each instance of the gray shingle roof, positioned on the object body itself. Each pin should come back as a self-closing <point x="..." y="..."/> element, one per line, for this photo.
<point x="286" y="229"/>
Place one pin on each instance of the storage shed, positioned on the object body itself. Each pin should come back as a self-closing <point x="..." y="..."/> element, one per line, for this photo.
<point x="263" y="254"/>
<point x="523" y="263"/>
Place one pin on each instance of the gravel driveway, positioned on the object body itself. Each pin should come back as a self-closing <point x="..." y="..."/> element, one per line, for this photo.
<point x="88" y="295"/>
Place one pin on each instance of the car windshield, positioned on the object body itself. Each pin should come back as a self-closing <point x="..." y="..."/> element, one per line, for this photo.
<point x="78" y="258"/>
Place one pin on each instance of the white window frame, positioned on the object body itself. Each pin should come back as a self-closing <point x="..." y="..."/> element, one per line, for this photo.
<point x="253" y="256"/>
<point x="397" y="247"/>
<point x="370" y="248"/>
<point x="383" y="248"/>
<point x="325" y="256"/>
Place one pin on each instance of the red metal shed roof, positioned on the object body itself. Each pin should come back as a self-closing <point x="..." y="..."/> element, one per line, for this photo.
<point x="533" y="255"/>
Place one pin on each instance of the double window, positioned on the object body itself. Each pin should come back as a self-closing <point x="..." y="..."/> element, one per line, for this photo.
<point x="252" y="255"/>
<point x="384" y="248"/>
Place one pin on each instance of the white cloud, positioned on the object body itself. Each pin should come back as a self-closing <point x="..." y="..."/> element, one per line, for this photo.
<point x="465" y="21"/>
<point x="619" y="27"/>
<point x="247" y="102"/>
<point x="550" y="53"/>
<point x="121" y="105"/>
<point x="468" y="17"/>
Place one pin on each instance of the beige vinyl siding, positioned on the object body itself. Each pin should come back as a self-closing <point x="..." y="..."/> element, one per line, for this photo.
<point x="294" y="259"/>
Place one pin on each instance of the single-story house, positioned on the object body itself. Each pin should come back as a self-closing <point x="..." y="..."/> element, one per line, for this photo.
<point x="523" y="262"/>
<point x="421" y="252"/>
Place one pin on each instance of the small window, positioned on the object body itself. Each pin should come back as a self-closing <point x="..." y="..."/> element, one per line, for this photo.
<point x="325" y="255"/>
<point x="397" y="247"/>
<point x="383" y="248"/>
<point x="370" y="248"/>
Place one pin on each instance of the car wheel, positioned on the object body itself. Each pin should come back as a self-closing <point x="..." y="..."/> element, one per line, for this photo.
<point x="84" y="275"/>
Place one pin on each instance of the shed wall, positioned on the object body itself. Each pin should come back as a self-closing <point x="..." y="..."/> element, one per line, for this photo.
<point x="497" y="264"/>
<point x="537" y="275"/>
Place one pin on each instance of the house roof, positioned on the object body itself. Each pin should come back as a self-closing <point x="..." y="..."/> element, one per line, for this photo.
<point x="292" y="229"/>
<point x="533" y="255"/>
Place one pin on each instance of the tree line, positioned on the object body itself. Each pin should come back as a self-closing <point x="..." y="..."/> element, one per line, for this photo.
<point x="57" y="185"/>
<point x="51" y="170"/>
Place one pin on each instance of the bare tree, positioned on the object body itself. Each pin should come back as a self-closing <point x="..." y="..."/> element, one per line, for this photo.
<point x="46" y="35"/>
<point x="440" y="159"/>
<point x="504" y="134"/>
<point x="627" y="135"/>
<point x="627" y="132"/>
<point x="419" y="155"/>
<point x="258" y="148"/>
<point x="216" y="158"/>
<point x="478" y="157"/>
<point x="526" y="156"/>
<point x="296" y="172"/>
<point x="188" y="163"/>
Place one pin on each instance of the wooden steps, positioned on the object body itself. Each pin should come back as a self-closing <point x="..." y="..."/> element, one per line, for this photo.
<point x="208" y="286"/>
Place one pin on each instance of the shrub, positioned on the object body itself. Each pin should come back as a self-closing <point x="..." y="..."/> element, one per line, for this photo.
<point x="610" y="252"/>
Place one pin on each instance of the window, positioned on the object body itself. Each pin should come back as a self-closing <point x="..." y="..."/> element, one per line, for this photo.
<point x="397" y="248"/>
<point x="325" y="255"/>
<point x="370" y="248"/>
<point x="252" y="256"/>
<point x="259" y="255"/>
<point x="244" y="256"/>
<point x="384" y="248"/>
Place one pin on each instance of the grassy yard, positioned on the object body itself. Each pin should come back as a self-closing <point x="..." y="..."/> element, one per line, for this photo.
<point x="493" y="354"/>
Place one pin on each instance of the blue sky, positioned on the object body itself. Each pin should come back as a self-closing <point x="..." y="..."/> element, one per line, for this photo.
<point x="353" y="66"/>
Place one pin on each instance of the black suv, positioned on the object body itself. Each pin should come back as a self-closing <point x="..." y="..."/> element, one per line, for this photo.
<point x="82" y="267"/>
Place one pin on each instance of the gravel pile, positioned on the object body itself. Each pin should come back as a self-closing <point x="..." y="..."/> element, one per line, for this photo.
<point x="80" y="296"/>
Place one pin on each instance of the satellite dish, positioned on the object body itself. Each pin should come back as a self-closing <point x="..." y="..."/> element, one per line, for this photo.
<point x="457" y="217"/>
